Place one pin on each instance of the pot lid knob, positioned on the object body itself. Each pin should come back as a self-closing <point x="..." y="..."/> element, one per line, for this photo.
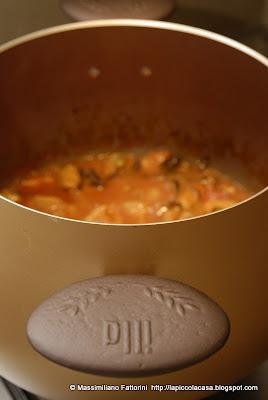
<point x="82" y="10"/>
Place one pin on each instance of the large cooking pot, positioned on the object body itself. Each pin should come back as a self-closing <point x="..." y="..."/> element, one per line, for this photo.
<point x="97" y="83"/>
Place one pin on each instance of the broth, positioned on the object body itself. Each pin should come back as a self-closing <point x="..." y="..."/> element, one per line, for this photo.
<point x="128" y="187"/>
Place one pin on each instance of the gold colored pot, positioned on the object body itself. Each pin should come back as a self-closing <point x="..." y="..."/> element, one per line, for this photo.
<point x="91" y="83"/>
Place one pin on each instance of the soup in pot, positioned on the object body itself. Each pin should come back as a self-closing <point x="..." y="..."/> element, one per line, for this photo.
<point x="127" y="187"/>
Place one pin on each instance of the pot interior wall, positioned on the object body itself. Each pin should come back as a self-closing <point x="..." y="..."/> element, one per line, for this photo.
<point x="121" y="87"/>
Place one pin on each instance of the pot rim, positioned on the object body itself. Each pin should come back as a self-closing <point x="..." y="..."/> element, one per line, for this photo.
<point x="147" y="24"/>
<point x="172" y="26"/>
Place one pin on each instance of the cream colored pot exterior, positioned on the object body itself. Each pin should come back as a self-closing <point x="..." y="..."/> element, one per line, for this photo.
<point x="223" y="255"/>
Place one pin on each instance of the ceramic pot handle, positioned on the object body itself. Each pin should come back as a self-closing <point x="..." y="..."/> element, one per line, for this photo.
<point x="82" y="10"/>
<point x="128" y="325"/>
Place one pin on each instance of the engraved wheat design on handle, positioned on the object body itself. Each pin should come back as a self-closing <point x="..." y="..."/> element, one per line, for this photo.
<point x="79" y="304"/>
<point x="172" y="299"/>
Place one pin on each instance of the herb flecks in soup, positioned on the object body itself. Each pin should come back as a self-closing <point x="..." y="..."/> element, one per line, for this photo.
<point x="127" y="188"/>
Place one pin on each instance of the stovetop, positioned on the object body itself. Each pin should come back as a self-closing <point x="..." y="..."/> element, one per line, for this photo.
<point x="8" y="391"/>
